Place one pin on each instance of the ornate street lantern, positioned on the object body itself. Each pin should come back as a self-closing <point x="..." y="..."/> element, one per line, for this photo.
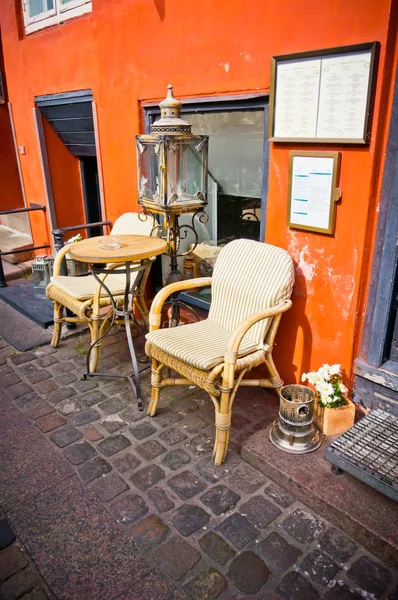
<point x="172" y="180"/>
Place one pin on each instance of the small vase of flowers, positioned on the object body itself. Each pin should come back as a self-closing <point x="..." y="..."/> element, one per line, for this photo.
<point x="334" y="412"/>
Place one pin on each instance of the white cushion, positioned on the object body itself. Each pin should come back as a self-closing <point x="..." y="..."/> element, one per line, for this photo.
<point x="201" y="345"/>
<point x="83" y="288"/>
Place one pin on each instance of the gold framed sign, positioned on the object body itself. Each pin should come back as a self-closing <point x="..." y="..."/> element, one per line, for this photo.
<point x="313" y="190"/>
<point x="324" y="96"/>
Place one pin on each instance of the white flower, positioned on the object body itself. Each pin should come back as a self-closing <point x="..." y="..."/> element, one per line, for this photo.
<point x="304" y="377"/>
<point x="342" y="387"/>
<point x="335" y="369"/>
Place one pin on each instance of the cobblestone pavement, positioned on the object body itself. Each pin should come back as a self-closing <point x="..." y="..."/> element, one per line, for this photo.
<point x="201" y="532"/>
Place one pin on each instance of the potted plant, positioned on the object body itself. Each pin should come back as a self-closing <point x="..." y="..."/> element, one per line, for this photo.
<point x="334" y="412"/>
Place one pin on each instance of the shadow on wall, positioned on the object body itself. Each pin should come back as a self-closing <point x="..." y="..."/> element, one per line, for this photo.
<point x="294" y="332"/>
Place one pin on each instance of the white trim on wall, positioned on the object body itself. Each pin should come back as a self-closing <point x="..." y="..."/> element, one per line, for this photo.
<point x="59" y="13"/>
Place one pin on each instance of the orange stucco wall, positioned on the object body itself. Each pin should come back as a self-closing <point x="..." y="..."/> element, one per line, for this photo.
<point x="128" y="51"/>
<point x="10" y="185"/>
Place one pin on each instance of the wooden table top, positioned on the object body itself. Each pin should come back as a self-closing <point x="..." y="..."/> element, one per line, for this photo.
<point x="133" y="247"/>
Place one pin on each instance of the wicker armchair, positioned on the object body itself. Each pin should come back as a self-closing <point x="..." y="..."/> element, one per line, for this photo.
<point x="251" y="287"/>
<point x="83" y="296"/>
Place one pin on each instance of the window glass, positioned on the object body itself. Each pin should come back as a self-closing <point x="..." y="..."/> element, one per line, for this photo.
<point x="36" y="7"/>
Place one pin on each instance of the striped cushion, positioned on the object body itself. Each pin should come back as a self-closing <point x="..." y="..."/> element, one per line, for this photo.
<point x="131" y="224"/>
<point x="249" y="277"/>
<point x="201" y="345"/>
<point x="83" y="288"/>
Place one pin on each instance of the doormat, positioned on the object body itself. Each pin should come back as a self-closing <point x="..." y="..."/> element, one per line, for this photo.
<point x="36" y="308"/>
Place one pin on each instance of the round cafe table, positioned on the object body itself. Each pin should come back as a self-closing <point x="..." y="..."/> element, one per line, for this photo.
<point x="132" y="259"/>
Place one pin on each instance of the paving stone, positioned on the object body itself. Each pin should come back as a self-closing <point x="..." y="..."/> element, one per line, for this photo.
<point x="246" y="480"/>
<point x="17" y="390"/>
<point x="319" y="567"/>
<point x="176" y="557"/>
<point x="216" y="547"/>
<point x="69" y="406"/>
<point x="219" y="499"/>
<point x="369" y="575"/>
<point x="116" y="386"/>
<point x="27" y="369"/>
<point x="65" y="379"/>
<point x="149" y="533"/>
<point x="12" y="560"/>
<point x="27" y="401"/>
<point x="19" y="584"/>
<point x="60" y="394"/>
<point x="79" y="453"/>
<point x="167" y="418"/>
<point x="160" y="500"/>
<point x="150" y="449"/>
<point x="393" y="595"/>
<point x="85" y="386"/>
<point x="239" y="421"/>
<point x="36" y="594"/>
<point x="183" y="405"/>
<point x="147" y="477"/>
<point x="92" y="469"/>
<point x="260" y="511"/>
<point x="144" y="589"/>
<point x="193" y="423"/>
<point x="109" y="487"/>
<point x="126" y="463"/>
<point x="67" y="435"/>
<point x="341" y="591"/>
<point x="143" y="430"/>
<point x="172" y="436"/>
<point x="294" y="586"/>
<point x="189" y="518"/>
<point x="212" y="474"/>
<point x="132" y="414"/>
<point x="113" y="424"/>
<point x="114" y="444"/>
<point x="61" y="367"/>
<point x="277" y="552"/>
<point x="279" y="495"/>
<point x="248" y="572"/>
<point x="200" y="444"/>
<point x="50" y="422"/>
<point x="337" y="545"/>
<point x="39" y="375"/>
<point x="176" y="459"/>
<point x="186" y="485"/>
<point x="85" y="417"/>
<point x="46" y="361"/>
<point x="238" y="530"/>
<point x="92" y="433"/>
<point x="45" y="387"/>
<point x="129" y="509"/>
<point x="8" y="380"/>
<point x="20" y="359"/>
<point x="7" y="536"/>
<point x="94" y="397"/>
<point x="303" y="526"/>
<point x="5" y="369"/>
<point x="39" y="410"/>
<point x="208" y="584"/>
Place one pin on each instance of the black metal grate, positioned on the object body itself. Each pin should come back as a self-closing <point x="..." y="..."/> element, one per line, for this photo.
<point x="369" y="452"/>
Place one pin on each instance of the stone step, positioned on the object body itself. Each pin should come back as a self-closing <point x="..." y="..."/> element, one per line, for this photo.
<point x="361" y="511"/>
<point x="11" y="239"/>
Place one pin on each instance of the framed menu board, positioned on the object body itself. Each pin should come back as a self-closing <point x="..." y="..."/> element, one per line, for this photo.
<point x="313" y="191"/>
<point x="324" y="95"/>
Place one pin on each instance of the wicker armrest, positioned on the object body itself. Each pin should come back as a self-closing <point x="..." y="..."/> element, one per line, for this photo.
<point x="243" y="327"/>
<point x="164" y="293"/>
<point x="58" y="259"/>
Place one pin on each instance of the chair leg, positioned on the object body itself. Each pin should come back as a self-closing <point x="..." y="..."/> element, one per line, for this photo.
<point x="58" y="315"/>
<point x="275" y="378"/>
<point x="156" y="378"/>
<point x="223" y="425"/>
<point x="96" y="350"/>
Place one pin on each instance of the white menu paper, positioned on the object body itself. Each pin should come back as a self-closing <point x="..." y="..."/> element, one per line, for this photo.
<point x="311" y="191"/>
<point x="296" y="98"/>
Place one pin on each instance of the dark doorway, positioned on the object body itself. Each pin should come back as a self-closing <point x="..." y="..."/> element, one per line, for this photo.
<point x="91" y="193"/>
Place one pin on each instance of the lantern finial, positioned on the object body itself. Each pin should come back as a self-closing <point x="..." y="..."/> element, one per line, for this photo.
<point x="170" y="116"/>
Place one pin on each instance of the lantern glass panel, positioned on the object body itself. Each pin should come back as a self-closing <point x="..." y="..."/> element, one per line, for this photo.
<point x="148" y="167"/>
<point x="186" y="162"/>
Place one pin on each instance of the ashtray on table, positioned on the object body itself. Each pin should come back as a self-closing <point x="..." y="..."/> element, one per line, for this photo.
<point x="110" y="243"/>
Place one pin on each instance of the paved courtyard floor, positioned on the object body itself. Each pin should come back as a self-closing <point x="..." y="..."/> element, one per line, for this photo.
<point x="106" y="502"/>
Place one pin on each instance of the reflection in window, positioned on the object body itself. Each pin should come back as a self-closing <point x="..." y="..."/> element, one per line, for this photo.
<point x="36" y="7"/>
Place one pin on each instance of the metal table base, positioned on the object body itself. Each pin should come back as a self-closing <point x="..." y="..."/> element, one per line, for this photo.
<point x="127" y="312"/>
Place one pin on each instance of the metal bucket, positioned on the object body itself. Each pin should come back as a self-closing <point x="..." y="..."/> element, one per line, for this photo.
<point x="295" y="432"/>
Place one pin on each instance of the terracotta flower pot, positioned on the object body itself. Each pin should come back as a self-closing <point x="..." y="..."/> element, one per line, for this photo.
<point x="333" y="421"/>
